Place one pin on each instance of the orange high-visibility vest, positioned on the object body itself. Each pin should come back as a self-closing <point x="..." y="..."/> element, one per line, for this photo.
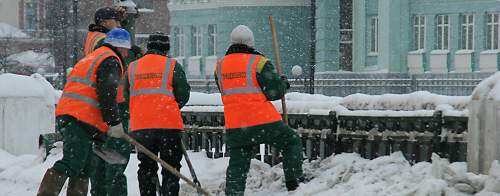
<point x="244" y="103"/>
<point x="119" y="95"/>
<point x="152" y="100"/>
<point x="79" y="98"/>
<point x="92" y="38"/>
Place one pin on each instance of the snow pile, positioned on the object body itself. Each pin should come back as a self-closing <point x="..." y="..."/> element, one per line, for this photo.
<point x="421" y="103"/>
<point x="420" y="100"/>
<point x="488" y="89"/>
<point x="7" y="30"/>
<point x="13" y="85"/>
<point x="345" y="174"/>
<point x="33" y="58"/>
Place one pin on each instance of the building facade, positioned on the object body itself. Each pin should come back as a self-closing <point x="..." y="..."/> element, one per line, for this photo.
<point x="423" y="36"/>
<point x="200" y="31"/>
<point x="321" y="36"/>
<point x="383" y="36"/>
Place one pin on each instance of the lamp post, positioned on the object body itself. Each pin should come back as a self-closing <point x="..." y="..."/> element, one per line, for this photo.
<point x="75" y="32"/>
<point x="132" y="15"/>
<point x="297" y="72"/>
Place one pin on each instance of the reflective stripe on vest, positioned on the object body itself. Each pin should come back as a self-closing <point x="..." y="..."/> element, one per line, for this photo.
<point x="91" y="38"/>
<point x="81" y="98"/>
<point x="162" y="90"/>
<point x="87" y="81"/>
<point x="249" y="88"/>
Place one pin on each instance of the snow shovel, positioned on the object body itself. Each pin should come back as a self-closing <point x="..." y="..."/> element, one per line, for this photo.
<point x="164" y="164"/>
<point x="191" y="169"/>
<point x="278" y="66"/>
<point x="110" y="156"/>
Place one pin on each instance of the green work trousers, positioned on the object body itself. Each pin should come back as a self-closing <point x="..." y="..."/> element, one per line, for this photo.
<point x="110" y="179"/>
<point x="78" y="158"/>
<point x="278" y="135"/>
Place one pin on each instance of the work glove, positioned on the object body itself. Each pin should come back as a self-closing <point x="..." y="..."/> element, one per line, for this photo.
<point x="286" y="82"/>
<point x="116" y="131"/>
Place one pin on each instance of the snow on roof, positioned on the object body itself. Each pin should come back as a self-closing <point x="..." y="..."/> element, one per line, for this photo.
<point x="13" y="85"/>
<point x="7" y="30"/>
<point x="32" y="58"/>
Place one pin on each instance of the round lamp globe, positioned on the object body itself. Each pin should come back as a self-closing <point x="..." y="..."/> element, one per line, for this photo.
<point x="296" y="70"/>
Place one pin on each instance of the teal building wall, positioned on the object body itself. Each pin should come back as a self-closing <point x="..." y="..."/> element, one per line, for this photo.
<point x="292" y="24"/>
<point x="327" y="35"/>
<point x="395" y="31"/>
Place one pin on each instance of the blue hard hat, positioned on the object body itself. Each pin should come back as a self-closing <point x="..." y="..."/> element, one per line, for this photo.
<point x="118" y="38"/>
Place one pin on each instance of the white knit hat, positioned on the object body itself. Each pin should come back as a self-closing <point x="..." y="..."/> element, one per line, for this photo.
<point x="242" y="35"/>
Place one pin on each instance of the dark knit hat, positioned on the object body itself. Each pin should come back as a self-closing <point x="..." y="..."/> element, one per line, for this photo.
<point x="158" y="40"/>
<point x="136" y="49"/>
<point x="106" y="13"/>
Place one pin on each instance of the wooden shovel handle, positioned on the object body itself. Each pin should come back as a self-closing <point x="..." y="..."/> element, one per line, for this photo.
<point x="278" y="66"/>
<point x="164" y="164"/>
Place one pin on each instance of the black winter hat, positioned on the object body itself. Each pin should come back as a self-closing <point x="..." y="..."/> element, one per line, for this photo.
<point x="158" y="40"/>
<point x="106" y="13"/>
<point x="136" y="49"/>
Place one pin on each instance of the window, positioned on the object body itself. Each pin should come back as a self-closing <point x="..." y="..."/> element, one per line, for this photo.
<point x="374" y="34"/>
<point x="419" y="32"/>
<point x="492" y="31"/>
<point x="467" y="32"/>
<point x="31" y="17"/>
<point x="443" y="32"/>
<point x="212" y="40"/>
<point x="197" y="36"/>
<point x="180" y="41"/>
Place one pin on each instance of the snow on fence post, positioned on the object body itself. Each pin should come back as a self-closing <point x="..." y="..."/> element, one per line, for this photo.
<point x="483" y="142"/>
<point x="475" y="144"/>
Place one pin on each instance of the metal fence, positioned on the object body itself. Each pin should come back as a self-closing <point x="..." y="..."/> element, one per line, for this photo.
<point x="323" y="135"/>
<point x="344" y="84"/>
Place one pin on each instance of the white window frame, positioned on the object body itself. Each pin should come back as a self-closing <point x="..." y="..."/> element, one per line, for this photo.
<point x="443" y="32"/>
<point x="181" y="41"/>
<point x="197" y="41"/>
<point x="492" y="31"/>
<point x="212" y="40"/>
<point x="467" y="31"/>
<point x="374" y="34"/>
<point x="419" y="29"/>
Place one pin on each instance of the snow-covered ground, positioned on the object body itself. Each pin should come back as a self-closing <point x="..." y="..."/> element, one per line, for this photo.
<point x="342" y="174"/>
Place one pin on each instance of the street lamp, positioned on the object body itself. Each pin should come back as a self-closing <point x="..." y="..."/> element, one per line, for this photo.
<point x="132" y="15"/>
<point x="297" y="71"/>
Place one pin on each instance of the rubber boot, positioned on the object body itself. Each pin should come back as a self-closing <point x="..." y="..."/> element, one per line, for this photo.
<point x="52" y="183"/>
<point x="78" y="186"/>
<point x="292" y="184"/>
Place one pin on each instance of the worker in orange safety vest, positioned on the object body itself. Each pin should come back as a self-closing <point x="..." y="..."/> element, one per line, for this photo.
<point x="248" y="83"/>
<point x="156" y="88"/>
<point x="86" y="112"/>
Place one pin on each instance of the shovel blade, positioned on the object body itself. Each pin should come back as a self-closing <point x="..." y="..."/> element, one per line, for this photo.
<point x="110" y="156"/>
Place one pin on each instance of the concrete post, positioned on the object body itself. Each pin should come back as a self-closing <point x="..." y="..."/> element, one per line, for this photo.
<point x="483" y="144"/>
